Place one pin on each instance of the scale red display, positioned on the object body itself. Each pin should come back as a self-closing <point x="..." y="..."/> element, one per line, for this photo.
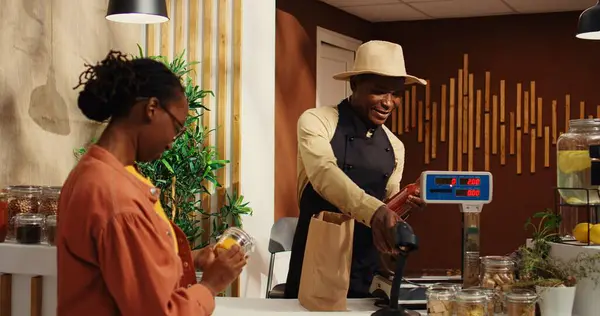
<point x="462" y="181"/>
<point x="468" y="192"/>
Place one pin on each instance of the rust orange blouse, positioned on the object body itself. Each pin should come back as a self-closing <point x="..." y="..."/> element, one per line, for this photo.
<point x="115" y="254"/>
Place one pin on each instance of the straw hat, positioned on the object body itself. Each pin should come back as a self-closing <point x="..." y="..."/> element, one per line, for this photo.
<point x="380" y="58"/>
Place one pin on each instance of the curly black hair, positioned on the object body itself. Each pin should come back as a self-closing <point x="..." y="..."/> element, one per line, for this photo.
<point x="111" y="87"/>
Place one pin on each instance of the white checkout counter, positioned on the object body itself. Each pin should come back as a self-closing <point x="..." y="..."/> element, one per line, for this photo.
<point x="31" y="287"/>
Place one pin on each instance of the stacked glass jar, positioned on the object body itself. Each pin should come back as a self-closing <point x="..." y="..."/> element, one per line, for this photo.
<point x="28" y="214"/>
<point x="440" y="299"/>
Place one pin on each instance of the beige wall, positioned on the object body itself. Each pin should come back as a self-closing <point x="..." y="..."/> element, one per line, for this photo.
<point x="44" y="44"/>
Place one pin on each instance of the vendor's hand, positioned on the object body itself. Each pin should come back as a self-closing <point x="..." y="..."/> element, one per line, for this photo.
<point x="226" y="267"/>
<point x="415" y="202"/>
<point x="204" y="257"/>
<point x="383" y="226"/>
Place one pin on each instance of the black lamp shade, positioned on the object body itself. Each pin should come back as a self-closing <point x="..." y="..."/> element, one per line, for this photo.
<point x="589" y="23"/>
<point x="137" y="11"/>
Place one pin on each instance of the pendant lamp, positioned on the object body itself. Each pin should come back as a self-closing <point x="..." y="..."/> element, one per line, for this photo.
<point x="588" y="27"/>
<point x="137" y="11"/>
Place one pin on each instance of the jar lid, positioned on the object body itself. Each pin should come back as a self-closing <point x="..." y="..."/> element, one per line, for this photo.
<point x="440" y="293"/>
<point x="499" y="261"/>
<point x="51" y="190"/>
<point x="474" y="296"/>
<point x="29" y="219"/>
<point x="51" y="219"/>
<point x="584" y="122"/>
<point x="445" y="286"/>
<point x="521" y="296"/>
<point x="24" y="189"/>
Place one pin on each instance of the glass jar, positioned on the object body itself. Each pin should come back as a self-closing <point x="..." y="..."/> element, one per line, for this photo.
<point x="494" y="304"/>
<point x="29" y="228"/>
<point x="51" y="222"/>
<point x="520" y="303"/>
<point x="471" y="303"/>
<point x="21" y="199"/>
<point x="236" y="236"/>
<point x="3" y="215"/>
<point x="440" y="300"/>
<point x="498" y="272"/>
<point x="573" y="162"/>
<point x="49" y="200"/>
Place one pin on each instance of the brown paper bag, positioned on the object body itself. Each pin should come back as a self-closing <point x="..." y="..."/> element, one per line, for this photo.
<point x="327" y="258"/>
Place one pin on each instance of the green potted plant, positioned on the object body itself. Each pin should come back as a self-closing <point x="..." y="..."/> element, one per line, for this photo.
<point x="553" y="279"/>
<point x="183" y="171"/>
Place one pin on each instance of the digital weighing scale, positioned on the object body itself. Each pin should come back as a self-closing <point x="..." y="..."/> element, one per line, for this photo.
<point x="470" y="190"/>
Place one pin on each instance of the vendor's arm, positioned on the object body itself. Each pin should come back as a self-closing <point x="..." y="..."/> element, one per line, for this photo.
<point x="142" y="275"/>
<point x="393" y="185"/>
<point x="315" y="130"/>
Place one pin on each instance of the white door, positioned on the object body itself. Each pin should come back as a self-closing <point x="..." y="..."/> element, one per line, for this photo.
<point x="333" y="60"/>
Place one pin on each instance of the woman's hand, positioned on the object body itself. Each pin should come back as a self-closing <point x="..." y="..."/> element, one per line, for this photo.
<point x="225" y="268"/>
<point x="204" y="257"/>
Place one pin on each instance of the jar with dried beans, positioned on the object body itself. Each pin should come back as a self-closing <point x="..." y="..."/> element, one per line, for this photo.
<point x="21" y="199"/>
<point x="49" y="200"/>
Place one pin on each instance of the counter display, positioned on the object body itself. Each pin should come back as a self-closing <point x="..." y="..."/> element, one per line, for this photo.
<point x="228" y="306"/>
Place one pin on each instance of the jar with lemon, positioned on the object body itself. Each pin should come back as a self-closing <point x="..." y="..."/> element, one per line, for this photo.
<point x="574" y="163"/>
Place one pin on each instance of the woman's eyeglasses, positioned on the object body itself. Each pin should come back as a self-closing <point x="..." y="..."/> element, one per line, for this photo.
<point x="177" y="125"/>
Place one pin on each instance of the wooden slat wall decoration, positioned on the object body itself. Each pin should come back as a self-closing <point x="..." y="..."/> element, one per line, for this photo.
<point x="581" y="110"/>
<point x="519" y="158"/>
<point x="210" y="31"/>
<point x="444" y="114"/>
<point x="494" y="124"/>
<point x="406" y="111"/>
<point x="502" y="144"/>
<point x="459" y="121"/>
<point x="539" y="118"/>
<point x="519" y="100"/>
<point x="471" y="125"/>
<point x="533" y="100"/>
<point x="597" y="111"/>
<point x="478" y="120"/>
<point x="487" y="90"/>
<point x="502" y="101"/>
<point x="399" y="116"/>
<point x="512" y="133"/>
<point x="394" y="117"/>
<point x="434" y="129"/>
<point x="427" y="155"/>
<point x="451" y="126"/>
<point x="526" y="112"/>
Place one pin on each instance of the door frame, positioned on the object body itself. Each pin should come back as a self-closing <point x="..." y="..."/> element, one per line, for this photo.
<point x="334" y="39"/>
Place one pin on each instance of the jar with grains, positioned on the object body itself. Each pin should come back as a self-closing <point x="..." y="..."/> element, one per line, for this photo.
<point x="29" y="228"/>
<point x="471" y="303"/>
<point x="3" y="215"/>
<point x="440" y="300"/>
<point x="21" y="199"/>
<point x="51" y="222"/>
<point x="49" y="200"/>
<point x="520" y="303"/>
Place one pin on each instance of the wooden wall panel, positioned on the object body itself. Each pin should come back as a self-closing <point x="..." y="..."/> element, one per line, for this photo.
<point x="210" y="31"/>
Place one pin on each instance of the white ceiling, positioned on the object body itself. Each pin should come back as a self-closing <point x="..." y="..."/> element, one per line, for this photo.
<point x="404" y="10"/>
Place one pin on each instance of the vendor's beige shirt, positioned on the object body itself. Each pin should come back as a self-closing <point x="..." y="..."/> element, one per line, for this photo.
<point x="317" y="164"/>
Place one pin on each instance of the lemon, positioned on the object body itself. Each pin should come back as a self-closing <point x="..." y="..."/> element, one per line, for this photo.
<point x="580" y="232"/>
<point x="227" y="243"/>
<point x="595" y="234"/>
<point x="570" y="161"/>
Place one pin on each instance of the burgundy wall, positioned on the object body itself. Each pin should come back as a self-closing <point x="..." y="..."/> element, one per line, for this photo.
<point x="517" y="49"/>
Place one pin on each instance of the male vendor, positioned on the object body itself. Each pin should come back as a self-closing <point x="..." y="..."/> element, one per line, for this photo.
<point x="349" y="162"/>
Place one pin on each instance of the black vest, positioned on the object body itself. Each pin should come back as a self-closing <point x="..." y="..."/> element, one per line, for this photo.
<point x="368" y="161"/>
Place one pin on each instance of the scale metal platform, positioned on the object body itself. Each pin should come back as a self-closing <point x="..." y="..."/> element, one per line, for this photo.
<point x="470" y="190"/>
